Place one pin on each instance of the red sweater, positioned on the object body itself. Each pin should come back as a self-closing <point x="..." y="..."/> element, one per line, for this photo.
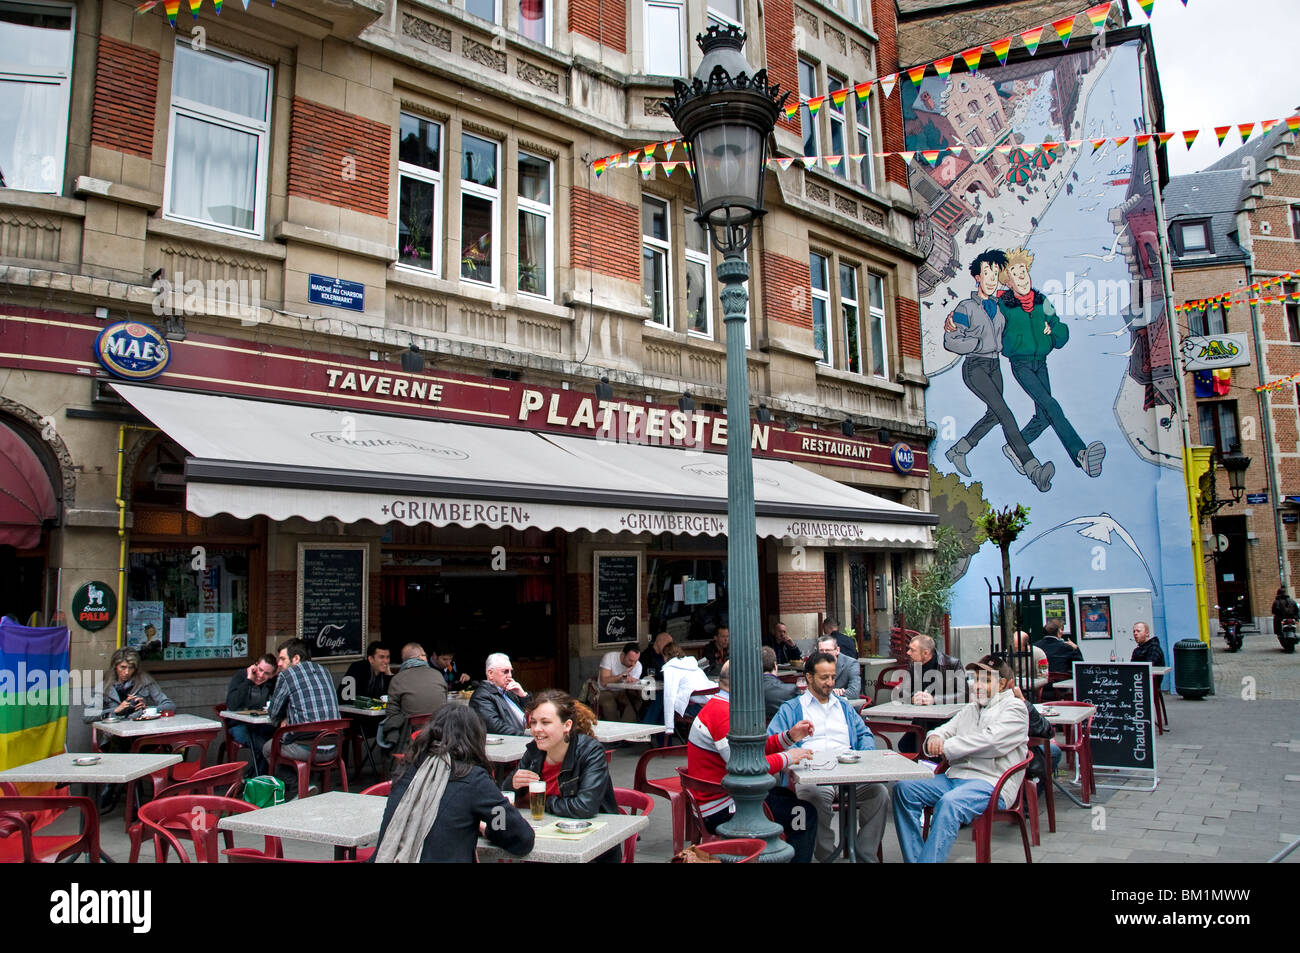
<point x="708" y="750"/>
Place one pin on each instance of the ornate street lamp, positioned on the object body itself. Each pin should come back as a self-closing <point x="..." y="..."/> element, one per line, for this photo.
<point x="1236" y="464"/>
<point x="726" y="116"/>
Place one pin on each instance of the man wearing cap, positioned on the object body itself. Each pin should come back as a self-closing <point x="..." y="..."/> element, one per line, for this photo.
<point x="980" y="742"/>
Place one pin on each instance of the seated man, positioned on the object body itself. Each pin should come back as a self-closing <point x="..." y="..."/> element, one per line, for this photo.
<point x="444" y="660"/>
<point x="1060" y="652"/>
<point x="716" y="652"/>
<point x="775" y="692"/>
<point x="708" y="752"/>
<point x="847" y="645"/>
<point x="836" y="728"/>
<point x="417" y="689"/>
<point x="933" y="678"/>
<point x="848" y="673"/>
<point x="1148" y="650"/>
<point x="652" y="659"/>
<point x="304" y="692"/>
<point x="251" y="688"/>
<point x="499" y="699"/>
<point x="989" y="735"/>
<point x="1030" y="665"/>
<point x="619" y="668"/>
<point x="787" y="653"/>
<point x="368" y="677"/>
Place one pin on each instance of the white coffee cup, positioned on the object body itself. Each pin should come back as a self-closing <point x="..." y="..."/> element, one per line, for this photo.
<point x="151" y="712"/>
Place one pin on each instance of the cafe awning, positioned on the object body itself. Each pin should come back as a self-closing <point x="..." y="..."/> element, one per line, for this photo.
<point x="27" y="499"/>
<point x="258" y="458"/>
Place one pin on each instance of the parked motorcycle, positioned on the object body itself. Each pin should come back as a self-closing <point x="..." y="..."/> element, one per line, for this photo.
<point x="1230" y="622"/>
<point x="1287" y="636"/>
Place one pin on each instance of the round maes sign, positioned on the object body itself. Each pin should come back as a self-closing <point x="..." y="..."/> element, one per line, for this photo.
<point x="902" y="458"/>
<point x="93" y="606"/>
<point x="133" y="351"/>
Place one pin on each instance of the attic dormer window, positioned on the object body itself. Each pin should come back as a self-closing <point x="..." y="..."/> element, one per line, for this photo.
<point x="1194" y="237"/>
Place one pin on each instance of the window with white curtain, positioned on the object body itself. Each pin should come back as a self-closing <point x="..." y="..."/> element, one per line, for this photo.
<point x="419" y="215"/>
<point x="656" y="252"/>
<point x="879" y="345"/>
<point x="699" y="270"/>
<point x="535" y="231"/>
<point x="480" y="192"/>
<point x="218" y="140"/>
<point x="664" y="26"/>
<point x="819" y="272"/>
<point x="35" y="79"/>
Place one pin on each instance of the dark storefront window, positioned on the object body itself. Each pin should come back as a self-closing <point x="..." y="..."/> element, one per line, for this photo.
<point x="672" y="597"/>
<point x="183" y="607"/>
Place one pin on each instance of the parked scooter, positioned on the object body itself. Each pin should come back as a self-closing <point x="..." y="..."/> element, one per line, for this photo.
<point x="1287" y="637"/>
<point x="1230" y="624"/>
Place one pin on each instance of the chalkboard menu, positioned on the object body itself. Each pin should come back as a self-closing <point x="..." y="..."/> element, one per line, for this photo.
<point x="616" y="590"/>
<point x="332" y="598"/>
<point x="1123" y="735"/>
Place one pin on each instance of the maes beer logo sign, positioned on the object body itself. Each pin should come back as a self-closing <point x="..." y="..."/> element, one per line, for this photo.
<point x="93" y="606"/>
<point x="132" y="350"/>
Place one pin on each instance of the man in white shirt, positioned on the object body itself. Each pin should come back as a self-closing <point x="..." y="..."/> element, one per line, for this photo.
<point x="836" y="728"/>
<point x="980" y="742"/>
<point x="618" y="670"/>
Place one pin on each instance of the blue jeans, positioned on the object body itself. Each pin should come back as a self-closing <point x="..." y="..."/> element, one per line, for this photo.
<point x="955" y="803"/>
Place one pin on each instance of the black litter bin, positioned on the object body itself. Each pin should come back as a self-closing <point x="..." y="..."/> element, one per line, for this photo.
<point x="1192" y="669"/>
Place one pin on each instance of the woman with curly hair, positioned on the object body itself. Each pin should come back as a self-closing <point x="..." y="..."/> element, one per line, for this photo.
<point x="128" y="689"/>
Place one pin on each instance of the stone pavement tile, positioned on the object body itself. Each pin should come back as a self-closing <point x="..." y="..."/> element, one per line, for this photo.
<point x="1216" y="830"/>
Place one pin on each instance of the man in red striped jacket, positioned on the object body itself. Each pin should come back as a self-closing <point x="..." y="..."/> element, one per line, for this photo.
<point x="708" y="752"/>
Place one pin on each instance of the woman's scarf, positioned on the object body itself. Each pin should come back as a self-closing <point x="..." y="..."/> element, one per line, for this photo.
<point x="415" y="814"/>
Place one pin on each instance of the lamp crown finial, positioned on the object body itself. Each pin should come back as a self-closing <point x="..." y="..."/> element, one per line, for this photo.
<point x="721" y="35"/>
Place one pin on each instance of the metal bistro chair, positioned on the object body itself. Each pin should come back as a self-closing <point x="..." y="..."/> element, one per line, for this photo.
<point x="323" y="734"/>
<point x="21" y="816"/>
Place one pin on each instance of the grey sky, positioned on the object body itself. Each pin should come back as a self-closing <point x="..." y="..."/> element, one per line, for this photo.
<point x="1221" y="62"/>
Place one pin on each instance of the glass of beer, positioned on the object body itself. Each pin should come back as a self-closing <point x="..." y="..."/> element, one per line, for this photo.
<point x="537" y="798"/>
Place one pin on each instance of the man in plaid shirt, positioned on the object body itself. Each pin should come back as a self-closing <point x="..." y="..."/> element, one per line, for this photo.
<point x="304" y="692"/>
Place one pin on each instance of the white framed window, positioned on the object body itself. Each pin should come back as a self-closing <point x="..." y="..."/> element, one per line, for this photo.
<point x="850" y="318"/>
<point x="819" y="270"/>
<point x="656" y="258"/>
<point x="879" y="344"/>
<point x="699" y="278"/>
<point x="484" y="10"/>
<point x="1196" y="237"/>
<point x="664" y="23"/>
<point x="420" y="196"/>
<point x="536" y="229"/>
<point x="480" y="194"/>
<point x="862" y="124"/>
<point x="217" y="141"/>
<point x="807" y="90"/>
<point x="837" y="123"/>
<point x="36" y="43"/>
<point x="727" y="11"/>
<point x="535" y="20"/>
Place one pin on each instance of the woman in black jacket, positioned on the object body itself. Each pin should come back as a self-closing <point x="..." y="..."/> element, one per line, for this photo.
<point x="566" y="755"/>
<point x="446" y="797"/>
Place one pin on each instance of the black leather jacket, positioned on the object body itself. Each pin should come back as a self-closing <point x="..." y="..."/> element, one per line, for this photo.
<point x="490" y="704"/>
<point x="585" y="787"/>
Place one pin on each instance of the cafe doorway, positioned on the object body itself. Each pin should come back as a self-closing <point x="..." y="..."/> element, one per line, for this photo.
<point x="22" y="585"/>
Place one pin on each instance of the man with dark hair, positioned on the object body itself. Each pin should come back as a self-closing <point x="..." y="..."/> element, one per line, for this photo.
<point x="444" y="660"/>
<point x="775" y="692"/>
<point x="367" y="677"/>
<point x="618" y="669"/>
<point x="847" y="645"/>
<point x="304" y="692"/>
<point x="1060" y="652"/>
<point x="251" y="688"/>
<point x="848" y="673"/>
<point x="975" y="329"/>
<point x="717" y="651"/>
<point x="980" y="742"/>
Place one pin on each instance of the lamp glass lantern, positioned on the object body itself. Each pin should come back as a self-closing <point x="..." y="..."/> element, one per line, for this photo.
<point x="1236" y="464"/>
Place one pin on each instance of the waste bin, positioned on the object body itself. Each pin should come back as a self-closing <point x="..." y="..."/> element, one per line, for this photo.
<point x="1192" y="669"/>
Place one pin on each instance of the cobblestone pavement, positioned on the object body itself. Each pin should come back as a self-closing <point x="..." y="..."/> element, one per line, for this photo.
<point x="1275" y="674"/>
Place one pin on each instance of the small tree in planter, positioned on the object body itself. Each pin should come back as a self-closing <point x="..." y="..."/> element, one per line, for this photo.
<point x="925" y="597"/>
<point x="1001" y="527"/>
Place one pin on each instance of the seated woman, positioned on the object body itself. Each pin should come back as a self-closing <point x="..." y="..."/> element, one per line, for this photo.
<point x="565" y="754"/>
<point x="446" y="797"/>
<point x="128" y="689"/>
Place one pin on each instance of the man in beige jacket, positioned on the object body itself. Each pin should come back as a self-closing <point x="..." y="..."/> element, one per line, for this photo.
<point x="981" y="741"/>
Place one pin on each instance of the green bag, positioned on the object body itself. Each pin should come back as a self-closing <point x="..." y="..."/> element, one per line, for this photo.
<point x="264" y="791"/>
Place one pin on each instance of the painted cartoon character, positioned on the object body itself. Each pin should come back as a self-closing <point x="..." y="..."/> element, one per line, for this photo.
<point x="1032" y="332"/>
<point x="975" y="329"/>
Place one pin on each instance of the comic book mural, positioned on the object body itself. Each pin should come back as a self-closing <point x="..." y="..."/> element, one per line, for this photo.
<point x="1045" y="331"/>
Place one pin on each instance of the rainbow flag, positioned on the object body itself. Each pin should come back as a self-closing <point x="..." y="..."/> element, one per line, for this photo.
<point x="1097" y="15"/>
<point x="944" y="66"/>
<point x="1064" y="27"/>
<point x="1030" y="38"/>
<point x="1245" y="129"/>
<point x="34" y="693"/>
<point x="1000" y="49"/>
<point x="972" y="56"/>
<point x="916" y="74"/>
<point x="1189" y="136"/>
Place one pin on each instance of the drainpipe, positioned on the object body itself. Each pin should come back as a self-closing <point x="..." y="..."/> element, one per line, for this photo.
<point x="1266" y="421"/>
<point x="120" y="500"/>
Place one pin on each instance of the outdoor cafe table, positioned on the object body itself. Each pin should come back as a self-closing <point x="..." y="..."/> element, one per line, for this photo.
<point x="506" y="749"/>
<point x="128" y="728"/>
<point x="1070" y="717"/>
<point x="570" y="850"/>
<point x="347" y="821"/>
<point x="902" y="711"/>
<point x="247" y="717"/>
<point x="873" y="766"/>
<point x="110" y="769"/>
<point x="611" y="732"/>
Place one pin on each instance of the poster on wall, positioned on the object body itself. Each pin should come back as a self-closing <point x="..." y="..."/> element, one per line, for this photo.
<point x="616" y="597"/>
<point x="144" y="623"/>
<point x="333" y="598"/>
<point x="1056" y="605"/>
<point x="1094" y="617"/>
<point x="1045" y="326"/>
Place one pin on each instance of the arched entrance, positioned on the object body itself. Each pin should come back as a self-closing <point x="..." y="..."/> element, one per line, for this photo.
<point x="29" y="507"/>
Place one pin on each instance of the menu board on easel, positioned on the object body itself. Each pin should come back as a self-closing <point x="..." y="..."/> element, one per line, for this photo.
<point x="333" y="603"/>
<point x="1123" y="730"/>
<point x="616" y="596"/>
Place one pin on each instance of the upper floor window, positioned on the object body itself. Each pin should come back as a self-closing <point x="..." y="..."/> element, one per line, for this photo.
<point x="1295" y="221"/>
<point x="837" y="123"/>
<point x="1218" y="424"/>
<point x="862" y="325"/>
<point x="419" y="216"/>
<point x="218" y="140"/>
<point x="656" y="253"/>
<point x="727" y="11"/>
<point x="480" y="193"/>
<point x="536" y="231"/>
<point x="819" y="271"/>
<point x="1212" y="320"/>
<point x="808" y="90"/>
<point x="847" y="131"/>
<point x="862" y="118"/>
<point x="699" y="275"/>
<point x="35" y="80"/>
<point x="876" y="319"/>
<point x="1194" y="237"/>
<point x="535" y="20"/>
<point x="483" y="9"/>
<point x="665" y="24"/>
<point x="1292" y="311"/>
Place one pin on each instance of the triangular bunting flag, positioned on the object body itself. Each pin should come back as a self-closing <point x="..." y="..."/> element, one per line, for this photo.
<point x="972" y="58"/>
<point x="670" y="168"/>
<point x="955" y="150"/>
<point x="1142" y="139"/>
<point x="651" y="149"/>
<point x="1120" y="140"/>
<point x="791" y="110"/>
<point x="1266" y="125"/>
<point x="173" y="7"/>
<point x="1073" y="143"/>
<point x="668" y="149"/>
<point x="1030" y="38"/>
<point x="599" y="166"/>
<point x="930" y="155"/>
<point x="785" y="163"/>
<point x="887" y="86"/>
<point x="1164" y="137"/>
<point x="689" y="167"/>
<point x="838" y="97"/>
<point x="1221" y="133"/>
<point x="647" y="168"/>
<point x="216" y="5"/>
<point x="1245" y="129"/>
<point x="1097" y="144"/>
<point x="905" y="156"/>
<point x="1097" y="15"/>
<point x="833" y="162"/>
<point x="1189" y="136"/>
<point x="1064" y="27"/>
<point x="916" y="74"/>
<point x="1146" y="6"/>
<point x="1293" y="123"/>
<point x="943" y="67"/>
<point x="195" y="7"/>
<point x="814" y="105"/>
<point x="1000" y="49"/>
<point x="245" y="2"/>
<point x="862" y="91"/>
<point x="146" y="6"/>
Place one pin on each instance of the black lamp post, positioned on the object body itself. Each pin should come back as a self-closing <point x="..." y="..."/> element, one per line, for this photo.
<point x="1236" y="463"/>
<point x="726" y="116"/>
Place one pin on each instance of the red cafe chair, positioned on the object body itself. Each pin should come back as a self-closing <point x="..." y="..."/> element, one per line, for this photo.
<point x="21" y="816"/>
<point x="181" y="743"/>
<point x="322" y="735"/>
<point x="197" y="815"/>
<point x="229" y="748"/>
<point x="382" y="789"/>
<point x="982" y="826"/>
<point x="739" y="850"/>
<point x="226" y="777"/>
<point x="1049" y="796"/>
<point x="669" y="788"/>
<point x="633" y="803"/>
<point x="694" y="791"/>
<point x="1080" y="746"/>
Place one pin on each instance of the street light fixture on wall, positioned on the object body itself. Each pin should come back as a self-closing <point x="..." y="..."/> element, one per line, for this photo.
<point x="726" y="116"/>
<point x="1236" y="463"/>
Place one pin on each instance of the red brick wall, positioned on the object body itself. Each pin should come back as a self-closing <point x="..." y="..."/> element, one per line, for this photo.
<point x="782" y="61"/>
<point x="605" y="21"/>
<point x="786" y="290"/>
<point x="321" y="139"/>
<point x="909" y="327"/>
<point x="801" y="592"/>
<point x="883" y="19"/>
<point x="126" y="93"/>
<point x="605" y="236"/>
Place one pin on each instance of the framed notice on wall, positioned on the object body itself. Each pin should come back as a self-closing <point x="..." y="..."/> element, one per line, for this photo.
<point x="1094" y="617"/>
<point x="616" y="597"/>
<point x="333" y="598"/>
